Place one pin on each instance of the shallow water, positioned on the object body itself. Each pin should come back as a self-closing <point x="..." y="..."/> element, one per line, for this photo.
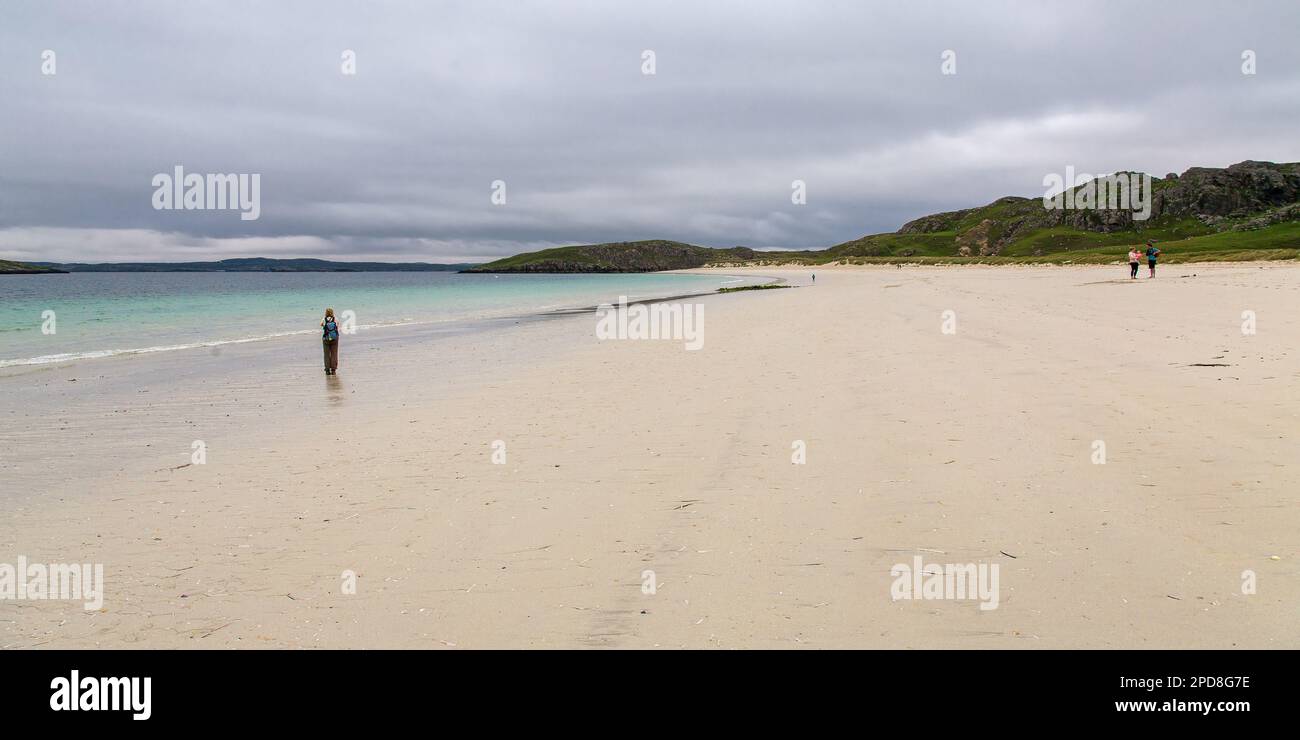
<point x="136" y="373"/>
<point x="98" y="315"/>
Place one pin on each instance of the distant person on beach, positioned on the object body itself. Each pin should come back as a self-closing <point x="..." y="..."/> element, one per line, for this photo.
<point x="1134" y="259"/>
<point x="330" y="339"/>
<point x="814" y="278"/>
<point x="1152" y="253"/>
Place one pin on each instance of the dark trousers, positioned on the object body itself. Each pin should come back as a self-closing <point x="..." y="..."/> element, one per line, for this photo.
<point x="331" y="355"/>
<point x="1132" y="269"/>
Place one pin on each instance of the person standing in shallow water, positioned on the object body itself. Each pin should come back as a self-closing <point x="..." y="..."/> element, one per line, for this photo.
<point x="330" y="340"/>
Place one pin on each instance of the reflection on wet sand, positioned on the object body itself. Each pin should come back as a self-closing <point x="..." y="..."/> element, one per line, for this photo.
<point x="334" y="389"/>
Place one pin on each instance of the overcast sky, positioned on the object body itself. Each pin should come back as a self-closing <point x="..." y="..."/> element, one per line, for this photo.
<point x="397" y="161"/>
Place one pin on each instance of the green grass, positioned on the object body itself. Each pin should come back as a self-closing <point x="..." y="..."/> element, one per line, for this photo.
<point x="1185" y="240"/>
<point x="1065" y="239"/>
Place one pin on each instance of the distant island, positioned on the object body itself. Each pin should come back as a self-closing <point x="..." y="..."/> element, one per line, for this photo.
<point x="643" y="256"/>
<point x="1248" y="211"/>
<point x="21" y="268"/>
<point x="248" y="264"/>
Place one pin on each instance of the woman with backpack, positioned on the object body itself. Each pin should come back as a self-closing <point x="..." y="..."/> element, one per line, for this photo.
<point x="330" y="339"/>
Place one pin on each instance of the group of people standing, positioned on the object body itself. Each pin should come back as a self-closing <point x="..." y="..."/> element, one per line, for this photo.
<point x="1135" y="259"/>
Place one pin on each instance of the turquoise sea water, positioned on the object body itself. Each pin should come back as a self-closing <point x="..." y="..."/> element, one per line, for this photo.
<point x="106" y="314"/>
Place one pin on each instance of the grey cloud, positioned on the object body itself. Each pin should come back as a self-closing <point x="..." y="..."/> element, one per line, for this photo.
<point x="397" y="161"/>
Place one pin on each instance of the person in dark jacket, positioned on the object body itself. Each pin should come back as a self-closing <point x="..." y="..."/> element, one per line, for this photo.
<point x="330" y="340"/>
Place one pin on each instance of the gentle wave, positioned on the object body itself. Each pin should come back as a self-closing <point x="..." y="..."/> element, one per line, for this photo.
<point x="101" y="353"/>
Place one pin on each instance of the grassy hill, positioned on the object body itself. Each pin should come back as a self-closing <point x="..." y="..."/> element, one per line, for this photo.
<point x="1178" y="242"/>
<point x="1248" y="211"/>
<point x="21" y="268"/>
<point x="643" y="256"/>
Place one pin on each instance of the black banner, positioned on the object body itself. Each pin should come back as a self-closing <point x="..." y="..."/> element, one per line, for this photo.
<point x="977" y="690"/>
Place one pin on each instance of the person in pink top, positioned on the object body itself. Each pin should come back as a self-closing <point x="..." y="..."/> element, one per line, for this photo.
<point x="1134" y="259"/>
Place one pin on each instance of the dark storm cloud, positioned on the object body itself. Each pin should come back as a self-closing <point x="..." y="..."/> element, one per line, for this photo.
<point x="397" y="161"/>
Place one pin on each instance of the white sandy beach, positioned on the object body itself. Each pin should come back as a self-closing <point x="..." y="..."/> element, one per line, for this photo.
<point x="623" y="457"/>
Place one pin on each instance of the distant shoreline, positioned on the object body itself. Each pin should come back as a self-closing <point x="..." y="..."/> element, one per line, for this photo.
<point x="1282" y="256"/>
<point x="247" y="264"/>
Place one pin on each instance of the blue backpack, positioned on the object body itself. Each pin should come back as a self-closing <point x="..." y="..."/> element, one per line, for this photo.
<point x="331" y="330"/>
